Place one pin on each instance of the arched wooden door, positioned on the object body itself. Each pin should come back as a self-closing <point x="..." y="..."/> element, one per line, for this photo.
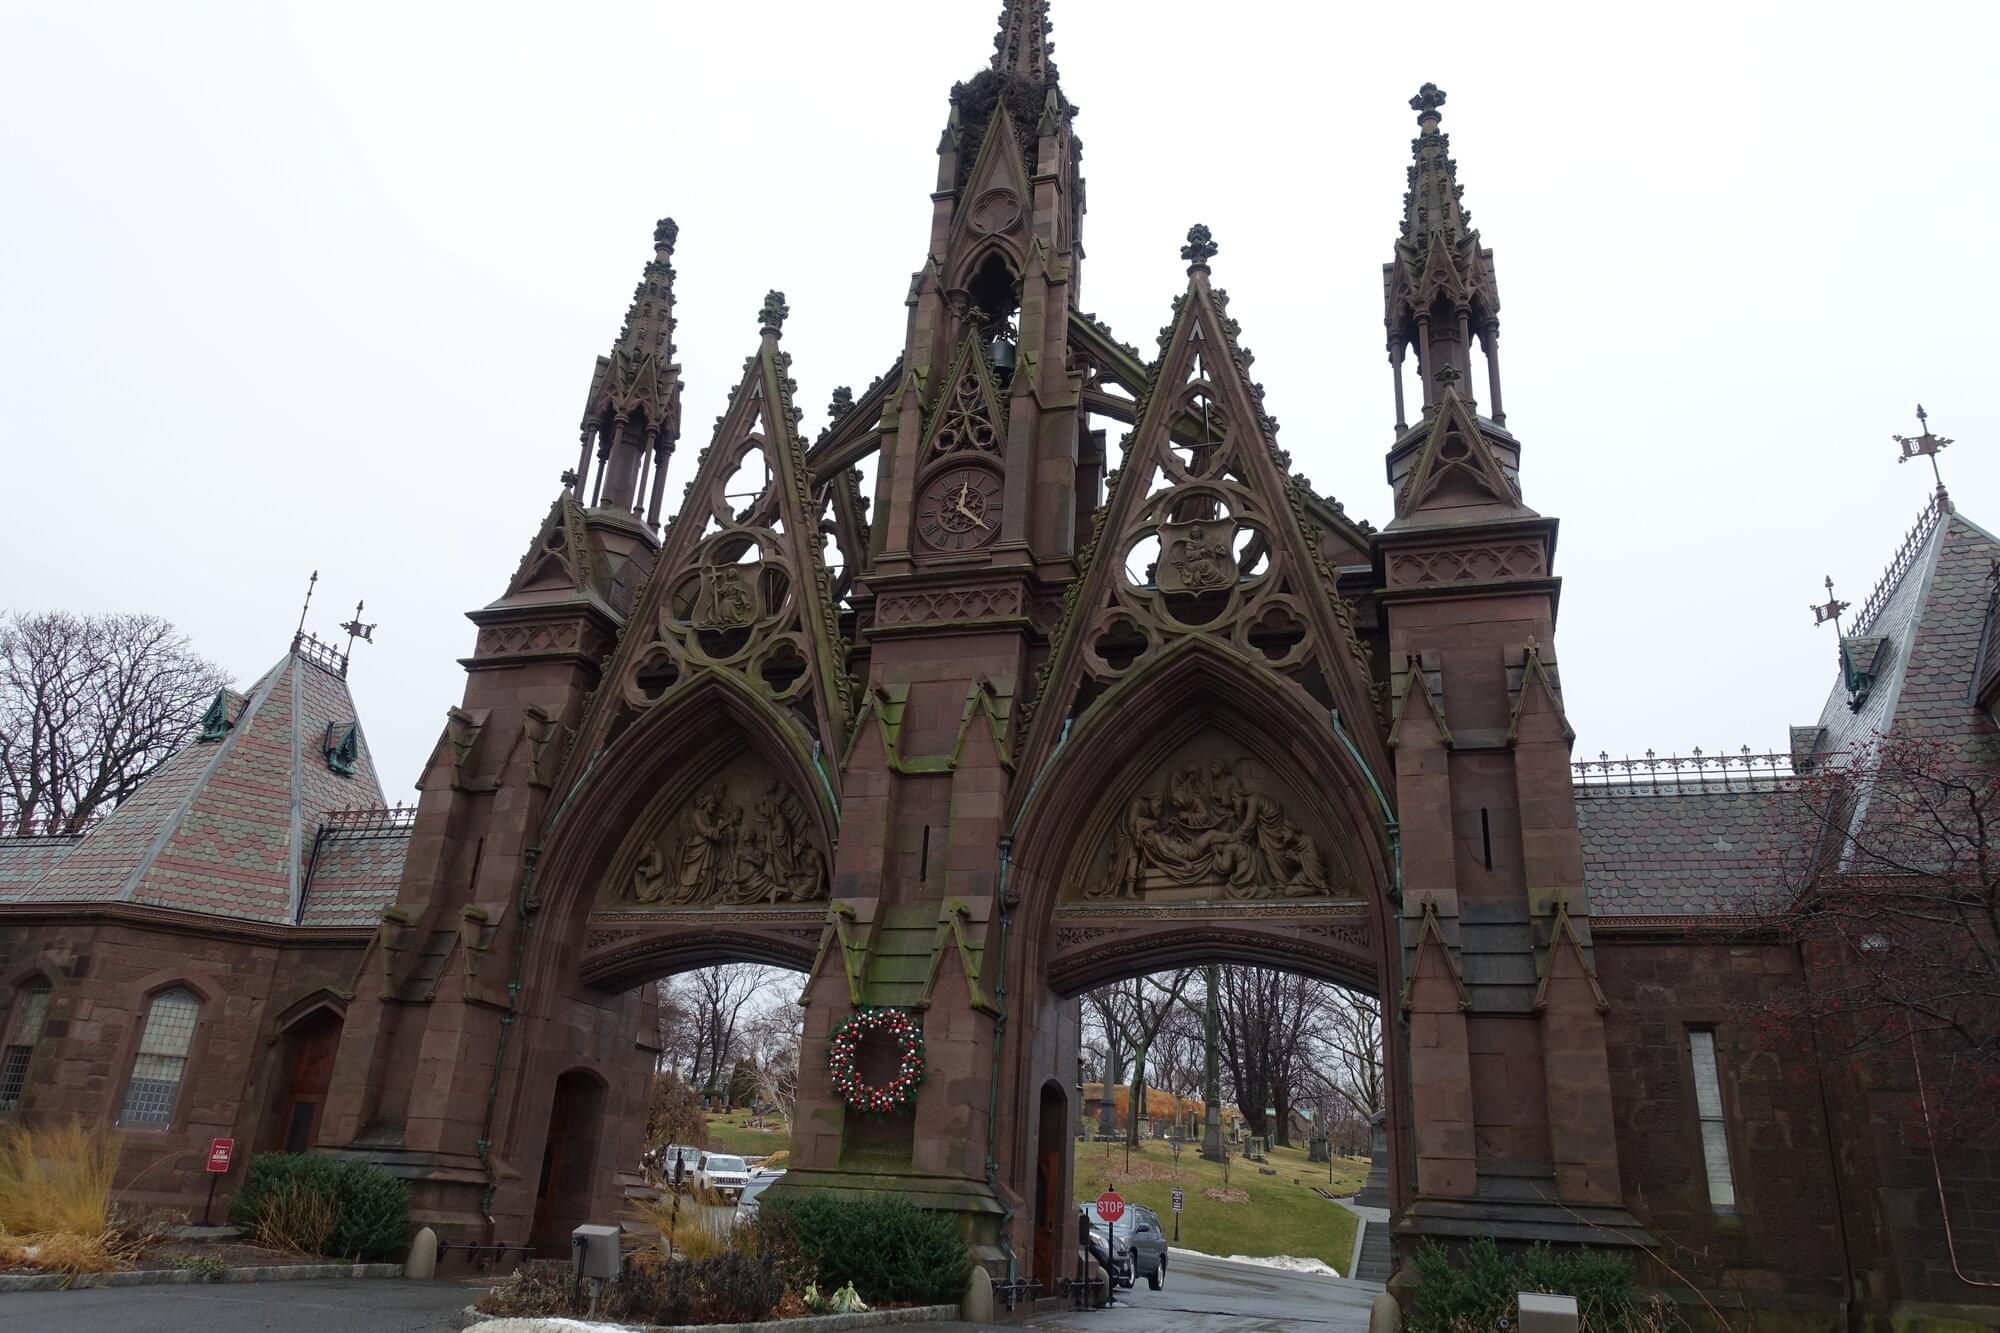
<point x="310" y="1047"/>
<point x="1050" y="1214"/>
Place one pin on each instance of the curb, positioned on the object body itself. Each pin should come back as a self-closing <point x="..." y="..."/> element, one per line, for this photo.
<point x="821" y="1323"/>
<point x="160" y="1277"/>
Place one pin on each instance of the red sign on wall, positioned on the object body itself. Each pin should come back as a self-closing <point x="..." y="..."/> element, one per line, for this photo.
<point x="219" y="1153"/>
<point x="1109" y="1206"/>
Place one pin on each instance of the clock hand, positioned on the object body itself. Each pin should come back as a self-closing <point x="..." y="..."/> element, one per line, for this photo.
<point x="969" y="514"/>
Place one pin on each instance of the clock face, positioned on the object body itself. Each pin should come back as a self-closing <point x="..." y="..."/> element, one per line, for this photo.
<point x="959" y="509"/>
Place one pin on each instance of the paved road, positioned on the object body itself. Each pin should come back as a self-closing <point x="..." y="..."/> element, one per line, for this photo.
<point x="335" y="1305"/>
<point x="1201" y="1296"/>
<point x="1210" y="1295"/>
<point x="1214" y="1296"/>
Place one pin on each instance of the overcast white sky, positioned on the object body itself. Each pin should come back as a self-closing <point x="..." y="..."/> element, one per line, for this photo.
<point x="286" y="287"/>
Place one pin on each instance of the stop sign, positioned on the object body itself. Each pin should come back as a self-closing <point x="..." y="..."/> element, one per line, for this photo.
<point x="1109" y="1206"/>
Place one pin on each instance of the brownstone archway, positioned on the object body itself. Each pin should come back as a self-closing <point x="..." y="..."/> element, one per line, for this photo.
<point x="1076" y="938"/>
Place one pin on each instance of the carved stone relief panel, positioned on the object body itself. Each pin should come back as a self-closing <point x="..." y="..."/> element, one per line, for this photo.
<point x="741" y="838"/>
<point x="1211" y="823"/>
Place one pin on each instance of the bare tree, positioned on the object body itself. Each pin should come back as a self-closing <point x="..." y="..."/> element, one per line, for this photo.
<point x="1344" y="1053"/>
<point x="706" y="1017"/>
<point x="90" y="706"/>
<point x="774" y="1036"/>
<point x="1129" y="1015"/>
<point x="1891" y="892"/>
<point x="1263" y="1026"/>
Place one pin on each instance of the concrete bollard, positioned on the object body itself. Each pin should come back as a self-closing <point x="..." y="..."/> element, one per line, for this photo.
<point x="422" y="1265"/>
<point x="1385" y="1315"/>
<point x="1543" y="1313"/>
<point x="976" y="1306"/>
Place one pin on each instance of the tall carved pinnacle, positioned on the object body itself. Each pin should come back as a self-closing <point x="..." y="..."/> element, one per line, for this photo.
<point x="631" y="416"/>
<point x="649" y="322"/>
<point x="1439" y="286"/>
<point x="1432" y="205"/>
<point x="1022" y="45"/>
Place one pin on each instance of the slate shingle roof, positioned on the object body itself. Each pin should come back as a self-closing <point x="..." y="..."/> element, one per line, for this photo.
<point x="354" y="875"/>
<point x="25" y="860"/>
<point x="1679" y="852"/>
<point x="1687" y="852"/>
<point x="226" y="827"/>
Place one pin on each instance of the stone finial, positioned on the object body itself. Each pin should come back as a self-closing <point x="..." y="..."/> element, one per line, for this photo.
<point x="1200" y="247"/>
<point x="1426" y="103"/>
<point x="772" y="316"/>
<point x="665" y="232"/>
<point x="842" y="404"/>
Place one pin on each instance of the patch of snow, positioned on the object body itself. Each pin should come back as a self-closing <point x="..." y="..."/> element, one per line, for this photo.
<point x="547" y="1323"/>
<point x="1290" y="1263"/>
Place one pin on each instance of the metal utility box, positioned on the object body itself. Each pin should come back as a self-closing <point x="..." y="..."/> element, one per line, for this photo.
<point x="1543" y="1313"/>
<point x="594" y="1251"/>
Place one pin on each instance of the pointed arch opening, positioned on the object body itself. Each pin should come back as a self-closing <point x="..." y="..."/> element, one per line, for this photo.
<point x="716" y="803"/>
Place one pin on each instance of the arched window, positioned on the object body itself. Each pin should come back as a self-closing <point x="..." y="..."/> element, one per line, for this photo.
<point x="161" y="1060"/>
<point x="30" y="1008"/>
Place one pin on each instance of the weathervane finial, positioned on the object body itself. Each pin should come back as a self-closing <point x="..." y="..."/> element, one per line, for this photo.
<point x="356" y="630"/>
<point x="1831" y="609"/>
<point x="299" y="633"/>
<point x="1925" y="445"/>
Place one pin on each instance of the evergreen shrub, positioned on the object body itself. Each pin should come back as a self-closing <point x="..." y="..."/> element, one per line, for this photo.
<point x="890" y="1249"/>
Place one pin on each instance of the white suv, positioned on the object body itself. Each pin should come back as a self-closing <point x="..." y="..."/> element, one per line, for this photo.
<point x="721" y="1173"/>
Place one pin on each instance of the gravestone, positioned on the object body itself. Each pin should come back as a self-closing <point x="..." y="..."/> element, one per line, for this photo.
<point x="1375" y="1190"/>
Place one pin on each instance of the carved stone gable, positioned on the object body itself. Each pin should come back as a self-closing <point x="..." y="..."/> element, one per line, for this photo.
<point x="741" y="585"/>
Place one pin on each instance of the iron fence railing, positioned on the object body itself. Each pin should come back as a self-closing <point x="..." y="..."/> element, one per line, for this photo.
<point x="395" y="818"/>
<point x="1743" y="770"/>
<point x="1899" y="564"/>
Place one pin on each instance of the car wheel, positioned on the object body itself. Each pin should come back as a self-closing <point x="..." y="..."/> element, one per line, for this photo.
<point x="1158" y="1277"/>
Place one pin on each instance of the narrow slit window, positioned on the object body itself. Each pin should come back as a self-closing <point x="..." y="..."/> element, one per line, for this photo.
<point x="161" y="1060"/>
<point x="1714" y="1130"/>
<point x="1486" y="837"/>
<point x="29" y="1012"/>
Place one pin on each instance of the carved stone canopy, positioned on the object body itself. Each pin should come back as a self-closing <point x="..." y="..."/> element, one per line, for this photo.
<point x="739" y="838"/>
<point x="1210" y="825"/>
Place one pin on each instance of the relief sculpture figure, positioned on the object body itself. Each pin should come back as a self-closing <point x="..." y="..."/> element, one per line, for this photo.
<point x="707" y="831"/>
<point x="727" y="855"/>
<point x="1210" y="829"/>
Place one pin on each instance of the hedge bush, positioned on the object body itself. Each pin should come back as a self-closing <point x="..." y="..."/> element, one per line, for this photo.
<point x="890" y="1249"/>
<point x="1480" y="1290"/>
<point x="371" y="1208"/>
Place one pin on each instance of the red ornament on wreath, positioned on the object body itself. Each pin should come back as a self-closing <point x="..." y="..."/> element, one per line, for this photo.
<point x="841" y="1058"/>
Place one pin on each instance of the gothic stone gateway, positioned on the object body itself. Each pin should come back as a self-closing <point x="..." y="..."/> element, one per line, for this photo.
<point x="1009" y="728"/>
<point x="1012" y="727"/>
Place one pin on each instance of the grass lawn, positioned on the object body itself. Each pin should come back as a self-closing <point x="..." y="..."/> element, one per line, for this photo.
<point x="1275" y="1216"/>
<point x="731" y="1132"/>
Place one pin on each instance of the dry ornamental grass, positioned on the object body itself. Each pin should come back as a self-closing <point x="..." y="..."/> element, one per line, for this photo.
<point x="55" y="1201"/>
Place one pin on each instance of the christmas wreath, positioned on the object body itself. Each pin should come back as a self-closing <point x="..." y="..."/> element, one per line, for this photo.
<point x="840" y="1057"/>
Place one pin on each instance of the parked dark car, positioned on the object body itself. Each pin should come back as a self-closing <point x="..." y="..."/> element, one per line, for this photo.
<point x="1142" y="1246"/>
